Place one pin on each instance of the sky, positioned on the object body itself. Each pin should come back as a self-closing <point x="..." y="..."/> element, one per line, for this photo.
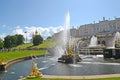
<point x="48" y="16"/>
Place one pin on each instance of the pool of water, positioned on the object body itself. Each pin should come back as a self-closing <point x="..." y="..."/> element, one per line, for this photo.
<point x="49" y="66"/>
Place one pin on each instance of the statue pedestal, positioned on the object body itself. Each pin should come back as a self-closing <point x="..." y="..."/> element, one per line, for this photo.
<point x="69" y="59"/>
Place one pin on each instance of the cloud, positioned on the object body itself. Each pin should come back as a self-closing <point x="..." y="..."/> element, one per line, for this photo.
<point x="2" y="36"/>
<point x="4" y="26"/>
<point x="18" y="30"/>
<point x="49" y="31"/>
<point x="28" y="32"/>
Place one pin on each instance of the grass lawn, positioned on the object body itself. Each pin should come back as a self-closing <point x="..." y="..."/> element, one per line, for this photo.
<point x="23" y="53"/>
<point x="75" y="79"/>
<point x="24" y="45"/>
<point x="18" y="54"/>
<point x="45" y="44"/>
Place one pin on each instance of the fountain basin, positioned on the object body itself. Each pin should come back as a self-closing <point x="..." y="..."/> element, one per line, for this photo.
<point x="88" y="66"/>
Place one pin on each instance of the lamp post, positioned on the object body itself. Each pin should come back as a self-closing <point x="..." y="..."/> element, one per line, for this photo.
<point x="26" y="36"/>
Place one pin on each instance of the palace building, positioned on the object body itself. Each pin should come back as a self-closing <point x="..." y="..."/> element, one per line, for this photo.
<point x="104" y="30"/>
<point x="101" y="28"/>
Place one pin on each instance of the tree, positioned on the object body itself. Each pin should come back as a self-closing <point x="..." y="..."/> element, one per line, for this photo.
<point x="7" y="42"/>
<point x="10" y="41"/>
<point x="20" y="39"/>
<point x="49" y="37"/>
<point x="13" y="41"/>
<point x="1" y="43"/>
<point x="37" y="39"/>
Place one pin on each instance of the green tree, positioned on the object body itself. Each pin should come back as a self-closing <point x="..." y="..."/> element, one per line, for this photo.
<point x="37" y="39"/>
<point x="20" y="39"/>
<point x="1" y="43"/>
<point x="49" y="37"/>
<point x="13" y="41"/>
<point x="7" y="42"/>
<point x="10" y="41"/>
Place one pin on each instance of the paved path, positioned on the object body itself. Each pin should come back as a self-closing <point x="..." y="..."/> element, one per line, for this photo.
<point x="79" y="77"/>
<point x="82" y="77"/>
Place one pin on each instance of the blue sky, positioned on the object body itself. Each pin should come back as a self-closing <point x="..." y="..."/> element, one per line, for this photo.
<point x="22" y="15"/>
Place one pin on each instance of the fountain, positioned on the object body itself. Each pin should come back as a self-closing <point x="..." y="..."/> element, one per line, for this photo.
<point x="114" y="42"/>
<point x="113" y="50"/>
<point x="117" y="39"/>
<point x="34" y="72"/>
<point x="93" y="41"/>
<point x="69" y="55"/>
<point x="68" y="47"/>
